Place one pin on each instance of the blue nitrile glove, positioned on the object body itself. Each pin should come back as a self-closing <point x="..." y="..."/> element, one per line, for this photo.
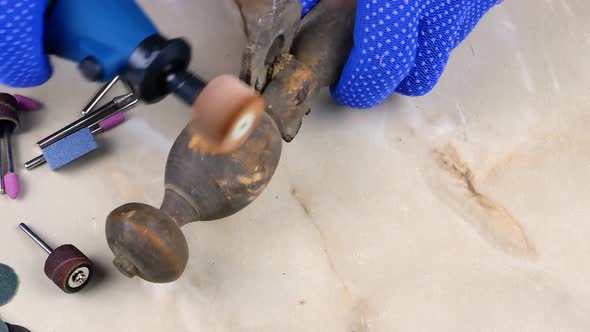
<point x="402" y="46"/>
<point x="23" y="62"/>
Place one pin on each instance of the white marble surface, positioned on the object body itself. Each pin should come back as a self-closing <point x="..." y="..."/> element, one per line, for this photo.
<point x="464" y="210"/>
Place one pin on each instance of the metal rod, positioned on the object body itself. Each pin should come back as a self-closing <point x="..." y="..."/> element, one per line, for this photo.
<point x="95" y="129"/>
<point x="35" y="162"/>
<point x="99" y="95"/>
<point x="127" y="106"/>
<point x="89" y="121"/>
<point x="40" y="159"/>
<point x="2" y="188"/>
<point x="35" y="238"/>
<point x="185" y="86"/>
<point x="8" y="145"/>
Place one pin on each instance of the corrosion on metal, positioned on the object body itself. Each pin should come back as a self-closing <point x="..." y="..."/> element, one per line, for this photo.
<point x="287" y="97"/>
<point x="148" y="242"/>
<point x="288" y="60"/>
<point x="312" y="61"/>
<point x="270" y="29"/>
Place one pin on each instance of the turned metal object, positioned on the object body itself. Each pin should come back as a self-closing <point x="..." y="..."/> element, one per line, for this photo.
<point x="287" y="60"/>
<point x="149" y="243"/>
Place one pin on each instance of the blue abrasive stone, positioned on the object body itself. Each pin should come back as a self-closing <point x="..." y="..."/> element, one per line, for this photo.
<point x="69" y="149"/>
<point x="8" y="284"/>
<point x="3" y="327"/>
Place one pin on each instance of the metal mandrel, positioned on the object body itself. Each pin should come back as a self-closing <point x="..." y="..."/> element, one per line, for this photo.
<point x="9" y="122"/>
<point x="99" y="95"/>
<point x="105" y="125"/>
<point x="117" y="105"/>
<point x="66" y="266"/>
<point x="96" y="121"/>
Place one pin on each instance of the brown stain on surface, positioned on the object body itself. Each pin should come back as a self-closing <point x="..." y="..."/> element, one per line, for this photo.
<point x="359" y="321"/>
<point x="301" y="202"/>
<point x="490" y="218"/>
<point x="496" y="167"/>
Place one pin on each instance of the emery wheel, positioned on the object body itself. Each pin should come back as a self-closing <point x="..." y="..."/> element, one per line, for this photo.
<point x="8" y="110"/>
<point x="68" y="268"/>
<point x="224" y="115"/>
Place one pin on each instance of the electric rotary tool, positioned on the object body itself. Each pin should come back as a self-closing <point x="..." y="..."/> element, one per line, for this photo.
<point x="115" y="38"/>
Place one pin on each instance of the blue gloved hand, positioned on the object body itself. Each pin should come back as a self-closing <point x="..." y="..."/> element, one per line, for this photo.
<point x="402" y="46"/>
<point x="23" y="62"/>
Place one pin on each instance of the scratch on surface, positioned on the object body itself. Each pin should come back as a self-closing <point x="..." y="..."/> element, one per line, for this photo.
<point x="456" y="187"/>
<point x="567" y="8"/>
<point x="552" y="73"/>
<point x="507" y="23"/>
<point x="550" y="5"/>
<point x="525" y="72"/>
<point x="360" y="325"/>
<point x="463" y="121"/>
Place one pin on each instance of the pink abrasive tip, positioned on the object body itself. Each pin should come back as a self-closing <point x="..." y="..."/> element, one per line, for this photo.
<point x="12" y="185"/>
<point x="112" y="121"/>
<point x="25" y="103"/>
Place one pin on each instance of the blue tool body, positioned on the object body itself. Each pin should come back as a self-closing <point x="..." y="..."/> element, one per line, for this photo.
<point x="105" y="38"/>
<point x="106" y="30"/>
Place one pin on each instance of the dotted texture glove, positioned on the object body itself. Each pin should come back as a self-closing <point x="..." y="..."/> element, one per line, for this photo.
<point x="23" y="62"/>
<point x="402" y="46"/>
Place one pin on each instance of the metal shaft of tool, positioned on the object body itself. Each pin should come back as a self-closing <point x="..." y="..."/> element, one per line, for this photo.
<point x="2" y="188"/>
<point x="8" y="147"/>
<point x="99" y="95"/>
<point x="35" y="162"/>
<point x="35" y="238"/>
<point x="40" y="159"/>
<point x="95" y="130"/>
<point x="185" y="86"/>
<point x="127" y="103"/>
<point x="89" y="121"/>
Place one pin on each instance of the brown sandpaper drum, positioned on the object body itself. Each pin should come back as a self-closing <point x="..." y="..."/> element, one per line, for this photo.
<point x="8" y="110"/>
<point x="224" y="115"/>
<point x="64" y="263"/>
